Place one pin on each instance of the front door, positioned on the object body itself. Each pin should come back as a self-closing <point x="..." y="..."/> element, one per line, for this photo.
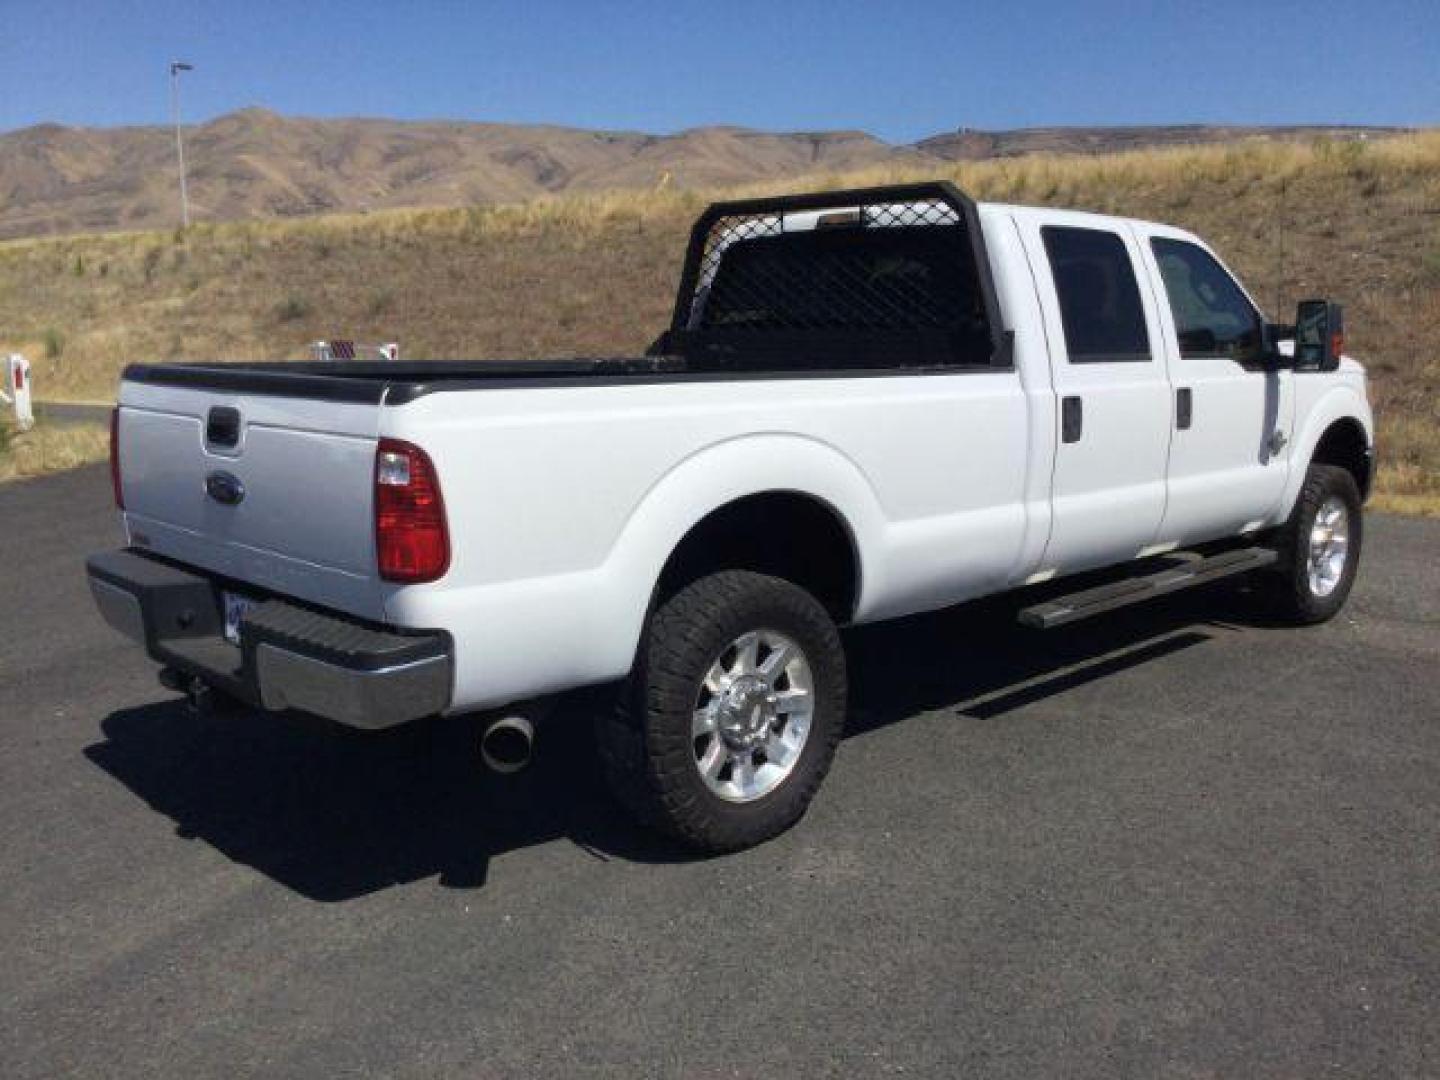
<point x="1113" y="394"/>
<point x="1229" y="459"/>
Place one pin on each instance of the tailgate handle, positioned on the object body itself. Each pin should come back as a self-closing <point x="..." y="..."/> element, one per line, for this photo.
<point x="225" y="488"/>
<point x="222" y="427"/>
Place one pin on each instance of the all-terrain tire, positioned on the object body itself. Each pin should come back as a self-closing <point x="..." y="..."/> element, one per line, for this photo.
<point x="1294" y="596"/>
<point x="647" y="745"/>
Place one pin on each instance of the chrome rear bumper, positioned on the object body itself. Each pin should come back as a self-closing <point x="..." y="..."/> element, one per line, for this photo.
<point x="289" y="657"/>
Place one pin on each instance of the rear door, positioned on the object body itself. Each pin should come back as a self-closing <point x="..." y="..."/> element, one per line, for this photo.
<point x="272" y="491"/>
<point x="1108" y="371"/>
<point x="1227" y="469"/>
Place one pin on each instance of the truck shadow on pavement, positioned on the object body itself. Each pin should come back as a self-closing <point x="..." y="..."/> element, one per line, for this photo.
<point x="335" y="814"/>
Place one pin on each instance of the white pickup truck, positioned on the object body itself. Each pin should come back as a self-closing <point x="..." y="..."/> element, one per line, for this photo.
<point x="869" y="403"/>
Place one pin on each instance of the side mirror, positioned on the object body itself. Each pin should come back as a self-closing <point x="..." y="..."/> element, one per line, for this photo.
<point x="1319" y="335"/>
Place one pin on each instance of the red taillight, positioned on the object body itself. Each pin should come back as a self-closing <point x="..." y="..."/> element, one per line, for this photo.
<point x="115" y="458"/>
<point x="1337" y="344"/>
<point x="412" y="542"/>
<point x="19" y="376"/>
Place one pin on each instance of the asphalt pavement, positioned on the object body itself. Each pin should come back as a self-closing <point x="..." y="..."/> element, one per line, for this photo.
<point x="1170" y="842"/>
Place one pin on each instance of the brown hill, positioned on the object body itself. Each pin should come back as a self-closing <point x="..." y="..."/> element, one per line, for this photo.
<point x="257" y="164"/>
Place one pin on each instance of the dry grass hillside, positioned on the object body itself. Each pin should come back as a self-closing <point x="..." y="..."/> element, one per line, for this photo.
<point x="48" y="448"/>
<point x="1359" y="222"/>
<point x="256" y="164"/>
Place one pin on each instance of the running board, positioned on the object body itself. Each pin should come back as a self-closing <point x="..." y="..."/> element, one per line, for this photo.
<point x="1198" y="571"/>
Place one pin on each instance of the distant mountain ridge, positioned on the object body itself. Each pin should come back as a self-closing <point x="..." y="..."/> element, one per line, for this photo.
<point x="257" y="164"/>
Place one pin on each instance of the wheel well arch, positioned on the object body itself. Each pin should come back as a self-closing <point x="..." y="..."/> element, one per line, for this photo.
<point x="788" y="534"/>
<point x="1345" y="445"/>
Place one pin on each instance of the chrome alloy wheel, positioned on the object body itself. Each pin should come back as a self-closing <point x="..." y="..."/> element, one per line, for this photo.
<point x="1329" y="547"/>
<point x="752" y="715"/>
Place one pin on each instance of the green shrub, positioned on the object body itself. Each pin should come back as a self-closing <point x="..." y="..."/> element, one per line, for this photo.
<point x="1430" y="266"/>
<point x="292" y="308"/>
<point x="54" y="343"/>
<point x="380" y="302"/>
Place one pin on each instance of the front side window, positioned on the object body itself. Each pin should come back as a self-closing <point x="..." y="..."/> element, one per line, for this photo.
<point x="1213" y="318"/>
<point x="1099" y="297"/>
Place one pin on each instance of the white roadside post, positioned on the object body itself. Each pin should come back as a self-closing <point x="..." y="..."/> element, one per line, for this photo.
<point x="17" y="390"/>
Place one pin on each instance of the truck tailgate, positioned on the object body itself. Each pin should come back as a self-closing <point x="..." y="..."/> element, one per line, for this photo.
<point x="275" y="492"/>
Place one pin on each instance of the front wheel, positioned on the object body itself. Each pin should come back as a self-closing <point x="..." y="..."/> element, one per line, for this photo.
<point x="1319" y="548"/>
<point x="732" y="714"/>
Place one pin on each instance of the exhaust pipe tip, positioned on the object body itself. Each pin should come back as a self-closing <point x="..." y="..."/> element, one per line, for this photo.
<point x="507" y="744"/>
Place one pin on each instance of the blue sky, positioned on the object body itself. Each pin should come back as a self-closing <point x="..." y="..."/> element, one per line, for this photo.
<point x="902" y="70"/>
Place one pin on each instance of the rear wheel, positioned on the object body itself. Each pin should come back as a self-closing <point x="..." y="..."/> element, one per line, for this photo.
<point x="1319" y="548"/>
<point x="732" y="715"/>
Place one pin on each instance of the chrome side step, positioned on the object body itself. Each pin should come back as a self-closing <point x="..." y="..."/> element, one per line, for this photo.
<point x="1198" y="571"/>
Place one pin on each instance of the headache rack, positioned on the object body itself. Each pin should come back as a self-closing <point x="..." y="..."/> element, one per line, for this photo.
<point x="865" y="278"/>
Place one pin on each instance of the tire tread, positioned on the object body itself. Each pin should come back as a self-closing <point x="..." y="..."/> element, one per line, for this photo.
<point x="647" y="762"/>
<point x="1290" y="595"/>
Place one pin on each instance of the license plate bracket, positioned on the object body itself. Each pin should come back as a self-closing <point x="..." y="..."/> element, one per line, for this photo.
<point x="236" y="608"/>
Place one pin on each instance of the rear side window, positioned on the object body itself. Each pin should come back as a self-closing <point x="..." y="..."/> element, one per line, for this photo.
<point x="1099" y="297"/>
<point x="842" y="279"/>
<point x="1212" y="316"/>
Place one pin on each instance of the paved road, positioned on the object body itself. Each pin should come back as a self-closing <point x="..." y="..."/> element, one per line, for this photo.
<point x="1169" y="843"/>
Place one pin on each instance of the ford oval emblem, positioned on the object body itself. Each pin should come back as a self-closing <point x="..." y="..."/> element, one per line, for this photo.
<point x="225" y="488"/>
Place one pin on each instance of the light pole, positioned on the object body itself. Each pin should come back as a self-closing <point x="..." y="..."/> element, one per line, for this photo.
<point x="177" y="66"/>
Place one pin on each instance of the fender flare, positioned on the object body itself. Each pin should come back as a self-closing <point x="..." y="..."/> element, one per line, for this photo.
<point x="1336" y="404"/>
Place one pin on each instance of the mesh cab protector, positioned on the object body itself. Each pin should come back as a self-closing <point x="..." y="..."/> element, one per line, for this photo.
<point x="873" y="278"/>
